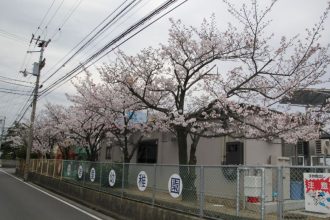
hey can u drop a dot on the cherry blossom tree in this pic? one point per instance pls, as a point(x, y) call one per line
point(15, 141)
point(179, 78)
point(210, 83)
point(51, 130)
point(118, 110)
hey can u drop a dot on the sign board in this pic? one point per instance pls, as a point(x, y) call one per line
point(112, 178)
point(92, 175)
point(317, 192)
point(142, 181)
point(68, 170)
point(80, 171)
point(137, 117)
point(175, 185)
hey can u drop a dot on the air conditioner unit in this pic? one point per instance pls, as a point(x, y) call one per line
point(322, 147)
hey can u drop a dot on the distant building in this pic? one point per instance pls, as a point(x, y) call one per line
point(161, 148)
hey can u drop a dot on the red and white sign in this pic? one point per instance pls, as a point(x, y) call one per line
point(317, 192)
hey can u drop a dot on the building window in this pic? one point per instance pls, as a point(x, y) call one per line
point(147, 151)
point(108, 153)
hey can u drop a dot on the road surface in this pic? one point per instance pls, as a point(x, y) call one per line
point(20, 201)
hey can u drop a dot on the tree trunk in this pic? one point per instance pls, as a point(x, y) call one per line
point(182, 144)
point(183, 161)
point(192, 169)
point(187, 169)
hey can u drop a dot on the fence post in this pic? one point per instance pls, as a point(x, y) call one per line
point(154, 186)
point(122, 181)
point(85, 172)
point(47, 174)
point(100, 176)
point(201, 191)
point(42, 166)
point(262, 207)
point(280, 193)
point(237, 191)
point(32, 165)
point(54, 167)
point(62, 167)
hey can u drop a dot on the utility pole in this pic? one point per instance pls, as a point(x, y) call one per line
point(36, 72)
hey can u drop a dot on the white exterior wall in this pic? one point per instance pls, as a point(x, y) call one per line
point(210, 151)
point(258, 152)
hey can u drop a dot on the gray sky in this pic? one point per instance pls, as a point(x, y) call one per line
point(20, 18)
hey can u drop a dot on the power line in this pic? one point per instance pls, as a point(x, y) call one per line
point(44, 17)
point(118, 25)
point(130, 29)
point(104, 20)
point(73, 9)
point(24, 109)
point(92, 38)
point(65, 78)
point(17, 84)
point(12, 92)
point(51, 19)
point(27, 58)
point(16, 80)
point(11, 35)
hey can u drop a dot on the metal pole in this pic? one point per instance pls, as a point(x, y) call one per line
point(54, 165)
point(237, 191)
point(33, 165)
point(34, 106)
point(201, 191)
point(62, 169)
point(280, 193)
point(122, 181)
point(42, 166)
point(100, 176)
point(262, 212)
point(155, 185)
point(47, 174)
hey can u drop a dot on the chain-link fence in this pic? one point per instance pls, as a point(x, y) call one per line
point(213, 192)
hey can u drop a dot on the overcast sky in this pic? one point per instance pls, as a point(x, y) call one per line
point(20, 18)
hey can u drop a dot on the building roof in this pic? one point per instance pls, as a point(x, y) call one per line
point(307, 97)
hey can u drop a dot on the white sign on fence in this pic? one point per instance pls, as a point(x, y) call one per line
point(68, 170)
point(92, 175)
point(80, 171)
point(175, 185)
point(317, 192)
point(142, 181)
point(112, 178)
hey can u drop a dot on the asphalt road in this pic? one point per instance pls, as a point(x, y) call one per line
point(20, 201)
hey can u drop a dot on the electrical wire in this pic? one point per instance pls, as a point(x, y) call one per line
point(73, 9)
point(77, 45)
point(16, 80)
point(12, 92)
point(51, 19)
point(67, 77)
point(89, 41)
point(44, 17)
point(17, 84)
point(11, 36)
point(24, 109)
point(27, 59)
point(118, 25)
